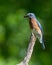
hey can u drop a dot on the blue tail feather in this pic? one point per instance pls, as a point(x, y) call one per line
point(43, 45)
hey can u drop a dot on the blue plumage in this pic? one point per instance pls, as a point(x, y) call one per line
point(37, 27)
point(43, 46)
point(32, 15)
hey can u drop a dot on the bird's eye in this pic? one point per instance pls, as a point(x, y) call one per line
point(30, 15)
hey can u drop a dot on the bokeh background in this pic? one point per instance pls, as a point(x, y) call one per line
point(15, 32)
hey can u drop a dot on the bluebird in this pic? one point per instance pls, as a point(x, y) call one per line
point(36, 27)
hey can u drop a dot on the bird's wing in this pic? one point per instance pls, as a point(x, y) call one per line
point(40, 26)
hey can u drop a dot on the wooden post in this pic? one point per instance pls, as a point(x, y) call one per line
point(29, 51)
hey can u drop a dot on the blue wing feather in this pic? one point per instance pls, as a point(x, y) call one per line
point(43, 46)
point(40, 26)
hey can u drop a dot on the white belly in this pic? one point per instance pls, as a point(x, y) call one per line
point(38, 34)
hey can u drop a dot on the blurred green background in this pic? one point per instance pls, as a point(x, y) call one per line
point(15, 32)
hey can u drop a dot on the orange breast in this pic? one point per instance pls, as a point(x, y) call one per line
point(34, 24)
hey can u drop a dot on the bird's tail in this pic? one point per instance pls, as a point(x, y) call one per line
point(43, 46)
point(42, 43)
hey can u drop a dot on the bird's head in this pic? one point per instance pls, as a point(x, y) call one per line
point(30, 15)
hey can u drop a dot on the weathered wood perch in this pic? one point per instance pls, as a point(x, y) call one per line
point(29, 51)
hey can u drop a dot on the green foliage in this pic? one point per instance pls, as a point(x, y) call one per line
point(15, 32)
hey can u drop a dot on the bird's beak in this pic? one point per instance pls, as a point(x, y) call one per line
point(26, 16)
